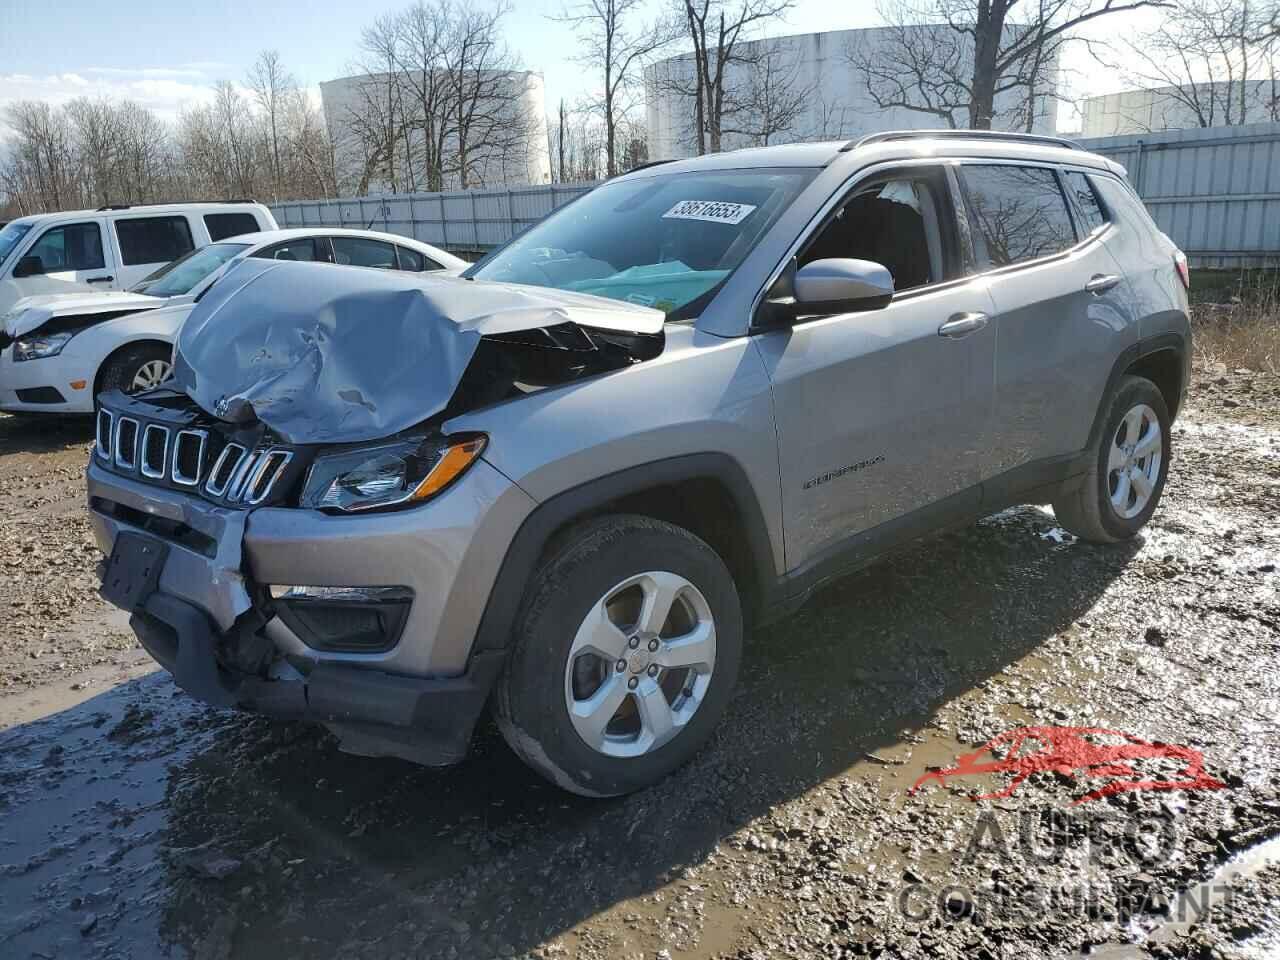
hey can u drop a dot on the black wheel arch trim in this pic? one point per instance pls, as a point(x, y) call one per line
point(1128, 357)
point(521, 560)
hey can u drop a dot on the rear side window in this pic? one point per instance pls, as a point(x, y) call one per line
point(1018, 213)
point(360, 252)
point(153, 239)
point(74, 246)
point(221, 225)
point(413, 261)
point(300, 248)
point(1088, 209)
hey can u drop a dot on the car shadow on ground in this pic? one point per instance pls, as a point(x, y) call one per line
point(43, 434)
point(233, 836)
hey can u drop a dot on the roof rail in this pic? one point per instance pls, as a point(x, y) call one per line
point(166, 203)
point(891, 135)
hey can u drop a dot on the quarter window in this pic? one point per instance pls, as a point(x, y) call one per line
point(1088, 208)
point(1019, 213)
point(153, 239)
point(413, 261)
point(222, 225)
point(75, 246)
point(361, 252)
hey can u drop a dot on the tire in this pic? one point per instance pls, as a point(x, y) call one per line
point(625, 560)
point(124, 368)
point(1088, 508)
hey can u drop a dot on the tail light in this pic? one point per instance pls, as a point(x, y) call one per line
point(1184, 271)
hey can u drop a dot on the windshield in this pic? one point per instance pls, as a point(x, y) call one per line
point(9, 238)
point(667, 242)
point(178, 277)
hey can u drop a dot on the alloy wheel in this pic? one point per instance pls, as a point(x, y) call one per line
point(1133, 462)
point(640, 664)
point(150, 374)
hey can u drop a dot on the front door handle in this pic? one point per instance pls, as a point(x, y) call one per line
point(962, 324)
point(1101, 283)
point(99, 279)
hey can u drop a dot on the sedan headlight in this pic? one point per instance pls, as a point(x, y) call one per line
point(388, 474)
point(39, 347)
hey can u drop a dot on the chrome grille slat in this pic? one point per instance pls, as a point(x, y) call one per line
point(235, 490)
point(213, 487)
point(183, 441)
point(265, 476)
point(123, 424)
point(148, 465)
point(106, 419)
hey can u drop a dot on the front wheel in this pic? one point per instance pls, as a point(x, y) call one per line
point(625, 656)
point(137, 368)
point(1118, 495)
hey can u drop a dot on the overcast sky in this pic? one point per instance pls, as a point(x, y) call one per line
point(168, 54)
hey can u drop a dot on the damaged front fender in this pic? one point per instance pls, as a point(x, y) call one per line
point(336, 355)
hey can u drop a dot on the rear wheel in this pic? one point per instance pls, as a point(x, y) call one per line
point(625, 656)
point(1118, 495)
point(137, 368)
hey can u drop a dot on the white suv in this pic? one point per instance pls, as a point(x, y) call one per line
point(112, 248)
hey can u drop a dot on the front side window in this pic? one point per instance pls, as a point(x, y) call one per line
point(10, 236)
point(893, 222)
point(1018, 213)
point(223, 225)
point(362, 252)
point(667, 241)
point(177, 278)
point(74, 246)
point(1088, 208)
point(153, 239)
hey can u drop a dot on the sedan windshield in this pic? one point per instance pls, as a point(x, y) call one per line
point(178, 277)
point(667, 242)
point(9, 238)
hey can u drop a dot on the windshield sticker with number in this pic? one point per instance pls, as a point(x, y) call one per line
point(714, 211)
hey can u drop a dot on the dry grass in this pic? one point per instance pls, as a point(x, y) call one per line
point(1243, 330)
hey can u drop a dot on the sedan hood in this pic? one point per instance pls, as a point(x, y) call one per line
point(32, 313)
point(336, 355)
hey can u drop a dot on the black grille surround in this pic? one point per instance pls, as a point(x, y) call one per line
point(161, 438)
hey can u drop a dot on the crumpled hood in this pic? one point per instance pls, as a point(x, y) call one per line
point(324, 354)
point(32, 313)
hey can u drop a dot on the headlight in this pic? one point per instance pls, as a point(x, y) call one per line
point(386, 474)
point(39, 347)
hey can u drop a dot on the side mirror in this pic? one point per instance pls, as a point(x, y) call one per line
point(840, 285)
point(28, 267)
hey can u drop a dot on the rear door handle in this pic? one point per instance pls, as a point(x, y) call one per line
point(1101, 283)
point(99, 279)
point(962, 324)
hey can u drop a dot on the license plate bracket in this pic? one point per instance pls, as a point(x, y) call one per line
point(133, 572)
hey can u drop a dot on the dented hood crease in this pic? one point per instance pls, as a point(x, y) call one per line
point(324, 354)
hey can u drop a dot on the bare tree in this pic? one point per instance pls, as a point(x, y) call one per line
point(970, 54)
point(616, 43)
point(769, 94)
point(272, 87)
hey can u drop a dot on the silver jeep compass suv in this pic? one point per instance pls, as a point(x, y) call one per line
point(565, 483)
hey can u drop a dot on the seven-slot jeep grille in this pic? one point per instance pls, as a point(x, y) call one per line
point(193, 458)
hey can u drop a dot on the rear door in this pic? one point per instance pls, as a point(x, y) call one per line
point(144, 244)
point(1061, 312)
point(881, 413)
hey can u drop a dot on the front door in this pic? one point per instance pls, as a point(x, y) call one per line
point(883, 412)
point(64, 259)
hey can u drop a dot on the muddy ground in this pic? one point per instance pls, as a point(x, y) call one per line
point(137, 823)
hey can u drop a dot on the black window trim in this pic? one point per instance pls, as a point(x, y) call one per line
point(1080, 243)
point(62, 226)
point(958, 245)
point(434, 266)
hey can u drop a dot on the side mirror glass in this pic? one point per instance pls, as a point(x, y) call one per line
point(28, 267)
point(839, 285)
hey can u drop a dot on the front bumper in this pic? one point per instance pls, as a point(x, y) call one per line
point(418, 700)
point(34, 378)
